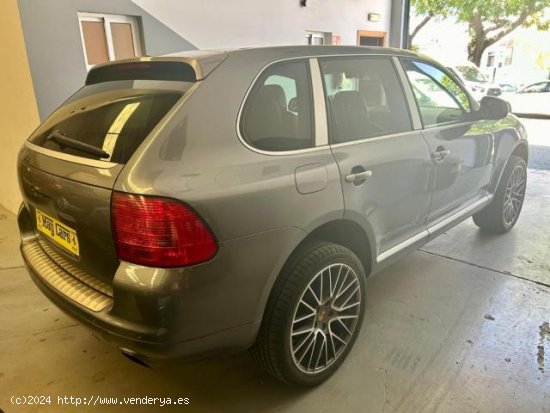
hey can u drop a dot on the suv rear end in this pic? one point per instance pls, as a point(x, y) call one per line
point(153, 201)
point(105, 255)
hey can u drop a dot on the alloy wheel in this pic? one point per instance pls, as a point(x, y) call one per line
point(325, 318)
point(514, 194)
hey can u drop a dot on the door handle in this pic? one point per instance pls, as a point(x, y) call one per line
point(358, 177)
point(440, 154)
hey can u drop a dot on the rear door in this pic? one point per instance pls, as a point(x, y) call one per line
point(68, 167)
point(461, 144)
point(383, 160)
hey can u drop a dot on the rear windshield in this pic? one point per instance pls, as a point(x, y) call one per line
point(107, 121)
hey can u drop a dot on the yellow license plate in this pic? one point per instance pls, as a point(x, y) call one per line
point(58, 232)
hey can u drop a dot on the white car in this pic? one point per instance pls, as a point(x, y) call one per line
point(532, 100)
point(474, 80)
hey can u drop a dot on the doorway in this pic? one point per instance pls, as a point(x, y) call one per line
point(371, 38)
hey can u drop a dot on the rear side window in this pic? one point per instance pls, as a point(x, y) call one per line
point(277, 115)
point(365, 98)
point(104, 122)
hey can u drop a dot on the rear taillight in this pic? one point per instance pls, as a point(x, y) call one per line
point(159, 232)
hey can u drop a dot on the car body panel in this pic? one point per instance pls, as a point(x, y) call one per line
point(78, 196)
point(464, 172)
point(395, 199)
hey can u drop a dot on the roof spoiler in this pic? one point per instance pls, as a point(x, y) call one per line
point(182, 67)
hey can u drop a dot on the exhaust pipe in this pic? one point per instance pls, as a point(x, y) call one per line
point(136, 358)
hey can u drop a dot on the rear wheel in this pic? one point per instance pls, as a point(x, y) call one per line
point(503, 212)
point(313, 315)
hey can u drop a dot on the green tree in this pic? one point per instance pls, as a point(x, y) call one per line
point(488, 20)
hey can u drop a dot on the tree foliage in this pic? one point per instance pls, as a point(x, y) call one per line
point(488, 20)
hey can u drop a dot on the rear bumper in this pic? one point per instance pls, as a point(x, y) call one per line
point(172, 313)
point(150, 342)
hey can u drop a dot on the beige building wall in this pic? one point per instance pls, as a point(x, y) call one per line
point(18, 111)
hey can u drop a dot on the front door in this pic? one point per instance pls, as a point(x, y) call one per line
point(383, 162)
point(461, 146)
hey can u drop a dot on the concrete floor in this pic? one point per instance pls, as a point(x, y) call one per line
point(458, 326)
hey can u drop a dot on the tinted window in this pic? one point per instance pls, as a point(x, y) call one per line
point(105, 118)
point(278, 113)
point(439, 97)
point(364, 98)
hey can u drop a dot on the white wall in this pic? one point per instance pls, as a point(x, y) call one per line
point(211, 24)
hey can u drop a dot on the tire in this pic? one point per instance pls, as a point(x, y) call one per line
point(502, 213)
point(304, 347)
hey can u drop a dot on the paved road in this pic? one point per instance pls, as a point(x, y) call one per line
point(539, 142)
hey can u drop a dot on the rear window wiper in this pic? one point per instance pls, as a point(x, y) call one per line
point(74, 144)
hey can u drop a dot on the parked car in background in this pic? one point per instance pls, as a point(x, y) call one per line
point(533, 99)
point(474, 80)
point(210, 202)
point(507, 88)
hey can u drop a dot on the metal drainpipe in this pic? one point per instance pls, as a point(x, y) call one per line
point(406, 21)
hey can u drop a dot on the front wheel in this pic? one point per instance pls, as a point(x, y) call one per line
point(503, 212)
point(313, 315)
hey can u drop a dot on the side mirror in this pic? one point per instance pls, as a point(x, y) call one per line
point(494, 108)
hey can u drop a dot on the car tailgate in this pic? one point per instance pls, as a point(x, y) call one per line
point(76, 197)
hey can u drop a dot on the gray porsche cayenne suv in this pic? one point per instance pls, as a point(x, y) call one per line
point(217, 201)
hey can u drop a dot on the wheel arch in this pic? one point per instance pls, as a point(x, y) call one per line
point(349, 234)
point(342, 231)
point(521, 149)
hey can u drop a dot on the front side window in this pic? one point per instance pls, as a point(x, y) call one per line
point(439, 97)
point(364, 97)
point(277, 115)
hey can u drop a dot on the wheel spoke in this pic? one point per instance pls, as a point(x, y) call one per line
point(308, 346)
point(346, 317)
point(344, 279)
point(349, 306)
point(312, 351)
point(345, 289)
point(350, 296)
point(323, 343)
point(336, 283)
point(302, 331)
point(307, 305)
point(329, 282)
point(297, 320)
point(338, 337)
point(317, 299)
point(344, 325)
